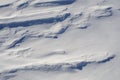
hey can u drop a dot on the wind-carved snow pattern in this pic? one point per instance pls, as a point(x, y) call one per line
point(61, 37)
point(6, 5)
point(16, 42)
point(54, 3)
point(60, 67)
point(58, 18)
point(102, 11)
point(55, 30)
point(54, 53)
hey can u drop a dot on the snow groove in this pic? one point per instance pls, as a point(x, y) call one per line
point(27, 23)
point(54, 3)
point(60, 67)
point(6, 5)
point(17, 42)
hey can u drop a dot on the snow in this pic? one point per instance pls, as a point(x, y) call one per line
point(59, 40)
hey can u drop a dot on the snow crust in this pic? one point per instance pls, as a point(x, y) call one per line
point(59, 39)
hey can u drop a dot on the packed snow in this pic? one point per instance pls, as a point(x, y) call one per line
point(59, 39)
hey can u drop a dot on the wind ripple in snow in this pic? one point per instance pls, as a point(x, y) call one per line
point(49, 20)
point(54, 3)
point(60, 67)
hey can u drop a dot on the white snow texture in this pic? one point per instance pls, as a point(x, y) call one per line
point(59, 39)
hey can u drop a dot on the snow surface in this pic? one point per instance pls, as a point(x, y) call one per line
point(59, 39)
